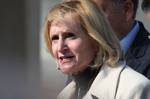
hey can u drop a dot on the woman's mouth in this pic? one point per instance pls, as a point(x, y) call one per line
point(65, 59)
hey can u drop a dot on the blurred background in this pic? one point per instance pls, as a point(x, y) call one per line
point(27, 71)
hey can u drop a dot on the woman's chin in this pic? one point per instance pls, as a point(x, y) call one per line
point(67, 72)
point(66, 69)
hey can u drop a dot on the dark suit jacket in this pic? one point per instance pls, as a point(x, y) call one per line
point(138, 56)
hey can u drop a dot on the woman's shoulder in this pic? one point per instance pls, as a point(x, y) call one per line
point(130, 75)
point(133, 85)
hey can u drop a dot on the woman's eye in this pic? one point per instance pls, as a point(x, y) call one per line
point(70, 35)
point(54, 38)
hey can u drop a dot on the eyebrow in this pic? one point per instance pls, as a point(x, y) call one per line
point(67, 33)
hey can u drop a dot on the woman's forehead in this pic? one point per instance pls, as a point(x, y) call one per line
point(71, 21)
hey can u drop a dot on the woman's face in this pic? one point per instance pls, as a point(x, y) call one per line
point(71, 47)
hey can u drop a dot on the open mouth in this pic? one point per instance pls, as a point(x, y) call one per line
point(65, 59)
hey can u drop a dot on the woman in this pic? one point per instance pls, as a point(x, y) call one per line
point(80, 39)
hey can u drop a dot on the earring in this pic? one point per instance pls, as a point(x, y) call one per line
point(57, 66)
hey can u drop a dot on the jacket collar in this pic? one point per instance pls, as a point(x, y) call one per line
point(141, 40)
point(68, 92)
point(104, 86)
point(106, 83)
point(138, 48)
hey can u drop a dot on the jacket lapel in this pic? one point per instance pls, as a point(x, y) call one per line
point(106, 83)
point(68, 92)
point(138, 49)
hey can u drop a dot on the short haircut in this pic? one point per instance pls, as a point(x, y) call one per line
point(94, 23)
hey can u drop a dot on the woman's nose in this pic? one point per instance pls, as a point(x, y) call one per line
point(62, 46)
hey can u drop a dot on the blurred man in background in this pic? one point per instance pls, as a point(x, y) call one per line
point(146, 8)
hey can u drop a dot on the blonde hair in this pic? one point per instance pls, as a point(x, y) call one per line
point(96, 26)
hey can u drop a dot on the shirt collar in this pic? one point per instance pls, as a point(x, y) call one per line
point(129, 38)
